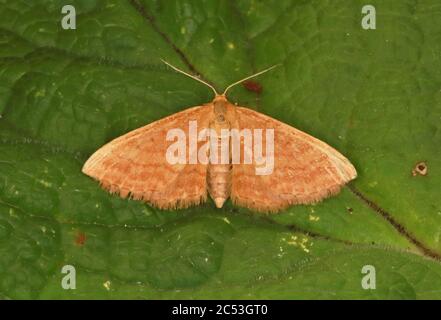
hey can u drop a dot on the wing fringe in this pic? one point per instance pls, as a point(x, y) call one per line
point(266, 208)
point(166, 204)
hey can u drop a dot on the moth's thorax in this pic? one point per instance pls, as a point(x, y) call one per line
point(220, 109)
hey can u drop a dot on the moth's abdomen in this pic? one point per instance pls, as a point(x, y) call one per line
point(219, 171)
point(219, 182)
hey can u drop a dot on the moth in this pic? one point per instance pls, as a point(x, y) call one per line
point(305, 170)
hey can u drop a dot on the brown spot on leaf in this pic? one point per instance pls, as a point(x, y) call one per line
point(420, 169)
point(350, 210)
point(253, 86)
point(80, 238)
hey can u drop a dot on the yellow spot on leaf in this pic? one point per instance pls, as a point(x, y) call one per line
point(107, 285)
point(40, 93)
point(292, 241)
point(45, 183)
point(303, 245)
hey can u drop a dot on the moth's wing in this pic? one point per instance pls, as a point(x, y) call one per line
point(134, 165)
point(305, 170)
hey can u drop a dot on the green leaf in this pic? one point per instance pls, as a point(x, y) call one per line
point(373, 94)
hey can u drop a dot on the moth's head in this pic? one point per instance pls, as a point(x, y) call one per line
point(219, 99)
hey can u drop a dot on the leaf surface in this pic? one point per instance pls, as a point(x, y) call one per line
point(372, 94)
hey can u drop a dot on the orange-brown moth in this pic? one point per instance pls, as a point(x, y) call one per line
point(306, 170)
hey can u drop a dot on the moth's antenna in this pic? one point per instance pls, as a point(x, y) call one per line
point(191, 76)
point(249, 77)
